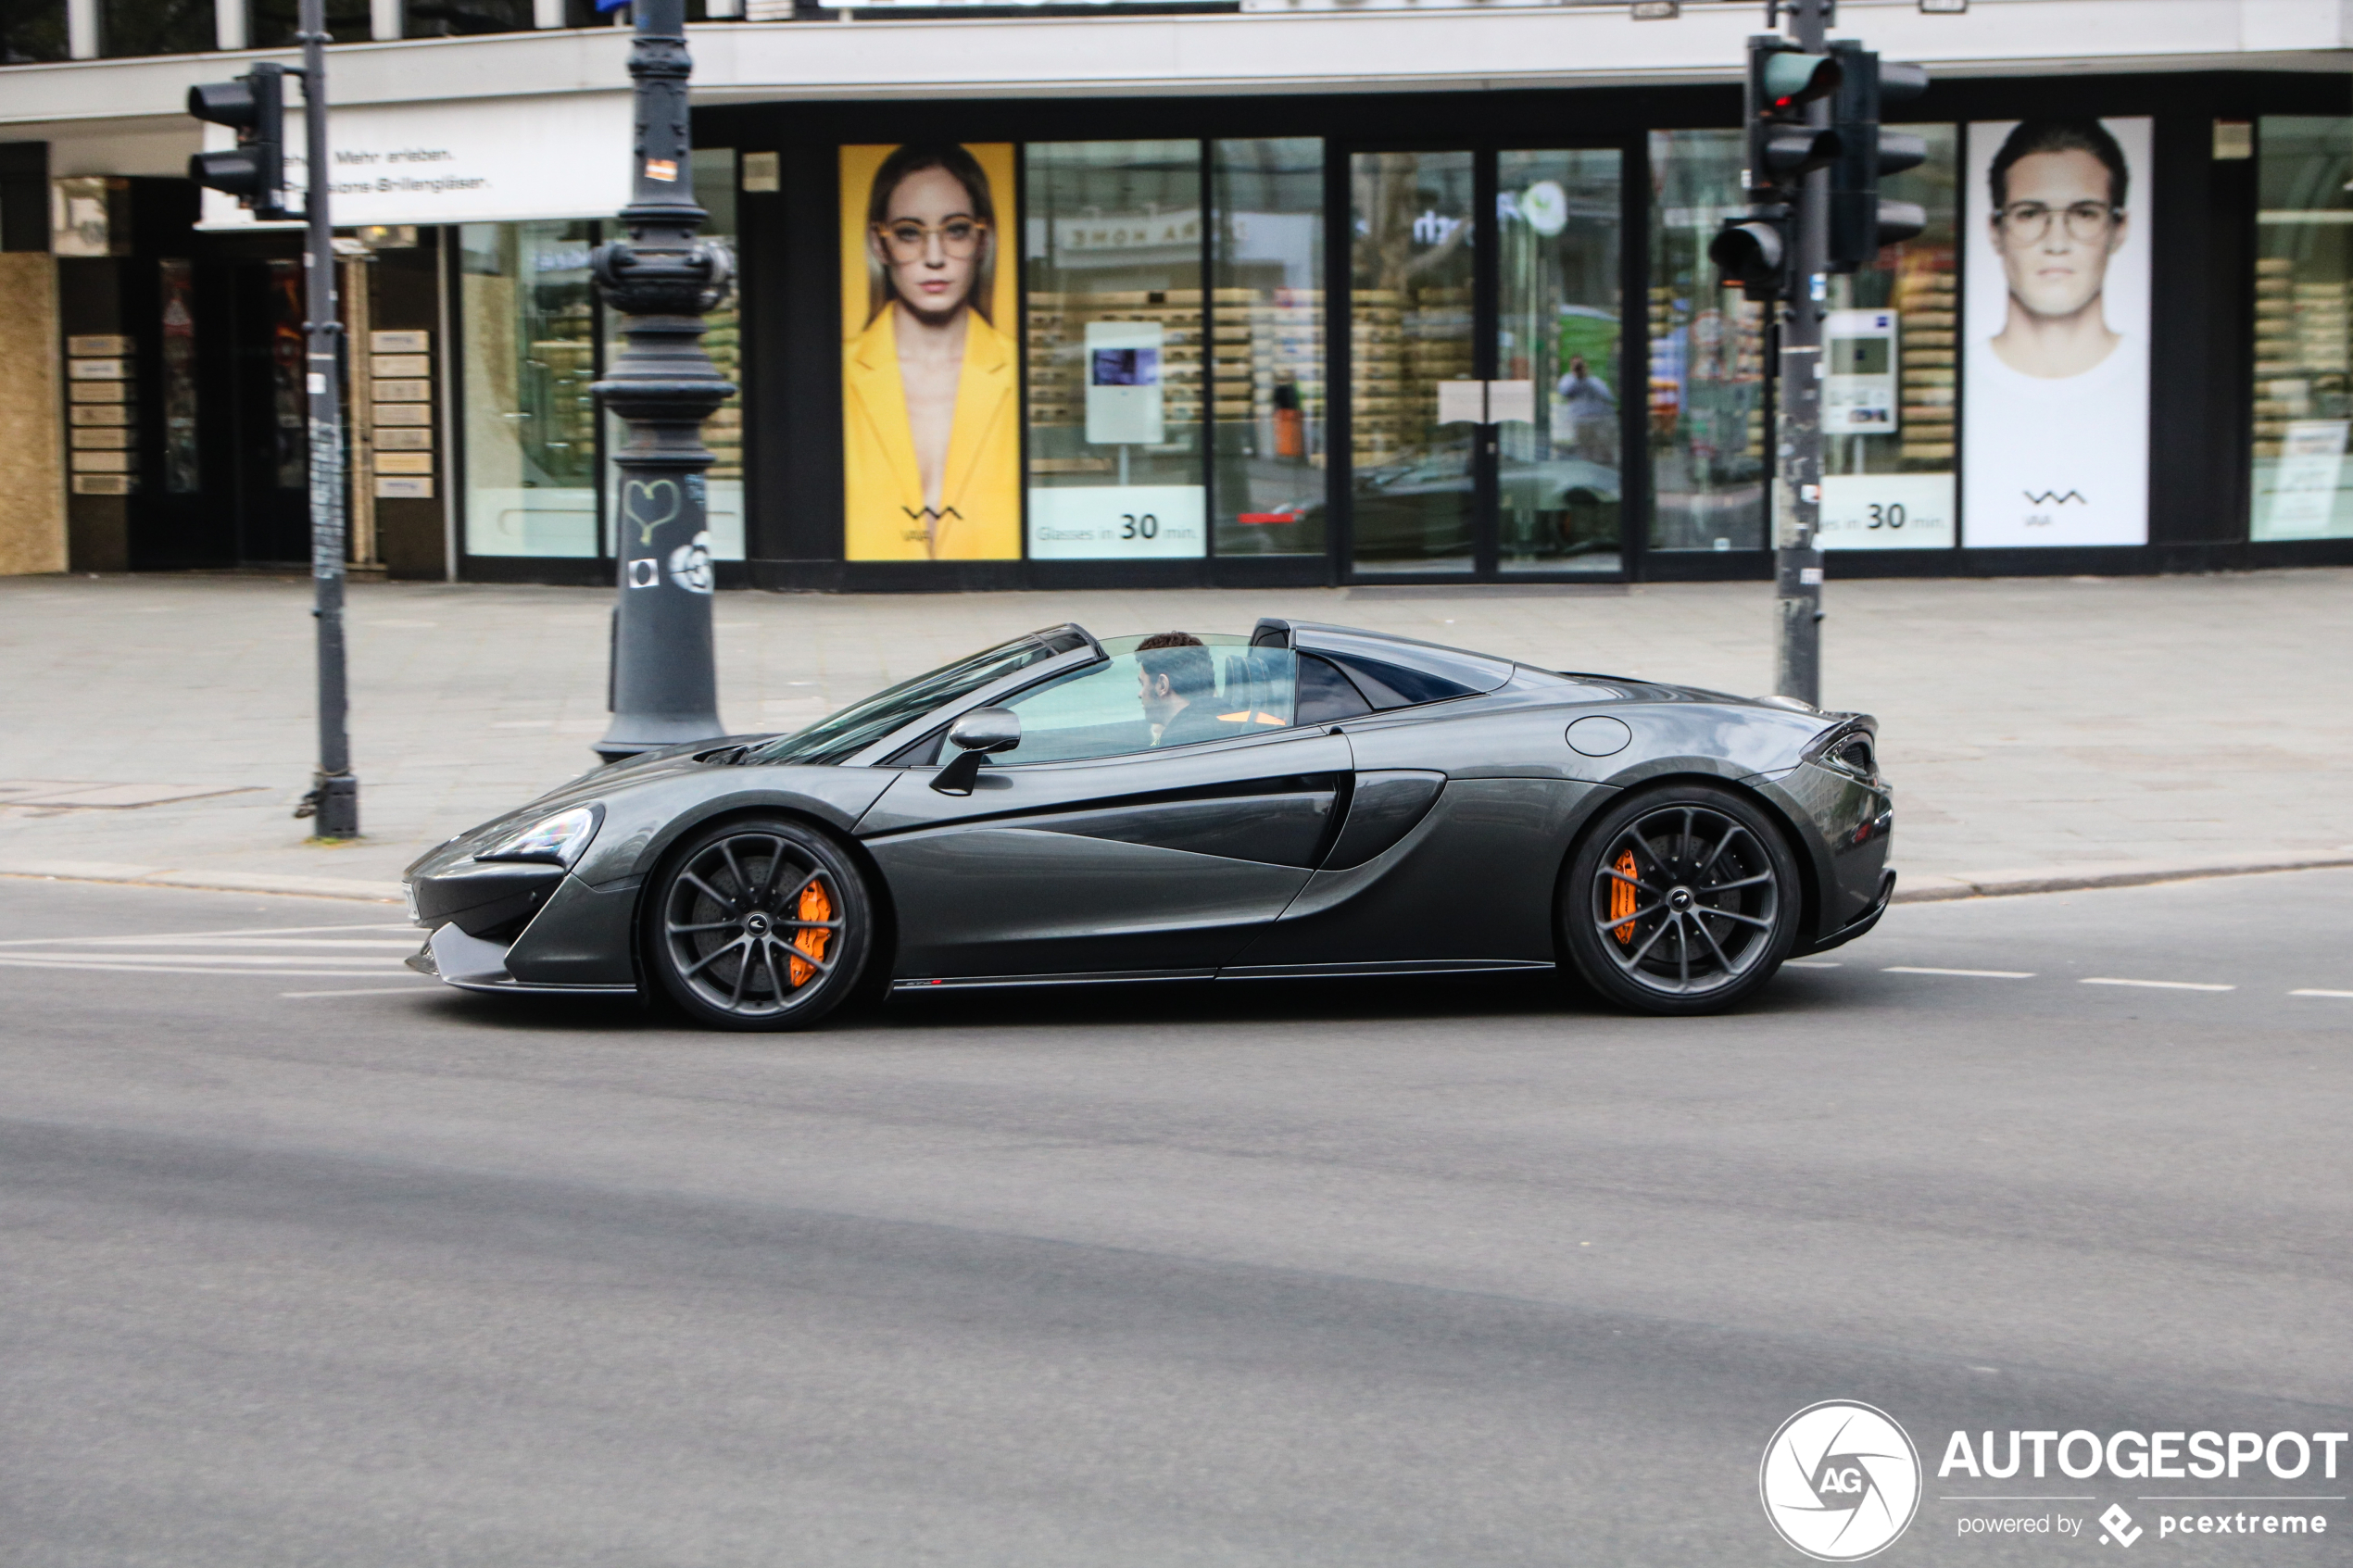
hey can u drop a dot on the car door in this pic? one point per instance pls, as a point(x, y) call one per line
point(1090, 850)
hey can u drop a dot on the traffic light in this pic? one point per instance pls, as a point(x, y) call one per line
point(254, 172)
point(1860, 221)
point(1783, 79)
point(1753, 251)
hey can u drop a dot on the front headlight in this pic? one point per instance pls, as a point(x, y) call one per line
point(556, 840)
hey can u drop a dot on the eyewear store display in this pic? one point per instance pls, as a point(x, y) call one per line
point(1147, 350)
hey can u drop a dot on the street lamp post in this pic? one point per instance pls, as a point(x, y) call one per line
point(661, 278)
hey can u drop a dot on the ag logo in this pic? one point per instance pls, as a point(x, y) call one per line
point(1840, 1481)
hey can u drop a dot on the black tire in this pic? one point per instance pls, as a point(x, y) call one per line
point(1706, 918)
point(759, 924)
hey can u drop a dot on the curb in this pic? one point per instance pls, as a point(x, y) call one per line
point(209, 881)
point(1932, 887)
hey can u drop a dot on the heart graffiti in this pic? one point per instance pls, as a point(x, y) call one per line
point(638, 498)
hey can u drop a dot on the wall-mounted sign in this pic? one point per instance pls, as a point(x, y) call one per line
point(490, 160)
point(1125, 403)
point(1859, 392)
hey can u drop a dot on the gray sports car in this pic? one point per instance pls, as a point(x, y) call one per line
point(1307, 800)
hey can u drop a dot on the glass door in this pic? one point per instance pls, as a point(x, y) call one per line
point(1485, 368)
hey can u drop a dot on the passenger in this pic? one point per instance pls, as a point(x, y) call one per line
point(1177, 687)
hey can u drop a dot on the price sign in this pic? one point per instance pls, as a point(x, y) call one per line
point(1887, 511)
point(1118, 523)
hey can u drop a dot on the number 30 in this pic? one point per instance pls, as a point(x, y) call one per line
point(1132, 526)
point(1886, 517)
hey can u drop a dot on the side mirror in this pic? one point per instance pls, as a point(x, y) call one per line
point(975, 736)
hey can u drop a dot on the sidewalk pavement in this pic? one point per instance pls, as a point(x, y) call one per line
point(2079, 731)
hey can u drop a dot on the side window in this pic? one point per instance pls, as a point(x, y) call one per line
point(1326, 695)
point(1100, 711)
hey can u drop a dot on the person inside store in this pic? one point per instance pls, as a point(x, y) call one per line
point(931, 438)
point(1585, 412)
point(2058, 190)
point(1177, 687)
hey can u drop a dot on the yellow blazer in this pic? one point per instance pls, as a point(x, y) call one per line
point(980, 498)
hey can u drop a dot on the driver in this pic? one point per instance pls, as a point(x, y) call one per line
point(1177, 687)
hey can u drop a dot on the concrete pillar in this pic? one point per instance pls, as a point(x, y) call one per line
point(82, 29)
point(546, 13)
point(384, 18)
point(232, 24)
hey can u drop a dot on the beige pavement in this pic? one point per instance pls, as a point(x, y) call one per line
point(2035, 728)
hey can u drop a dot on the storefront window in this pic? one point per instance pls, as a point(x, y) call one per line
point(1888, 347)
point(2303, 273)
point(1268, 361)
point(1557, 480)
point(1412, 338)
point(154, 27)
point(1113, 253)
point(529, 317)
point(1707, 406)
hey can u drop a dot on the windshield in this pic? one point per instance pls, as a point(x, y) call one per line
point(843, 734)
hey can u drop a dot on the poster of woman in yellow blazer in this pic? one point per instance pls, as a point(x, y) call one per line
point(931, 394)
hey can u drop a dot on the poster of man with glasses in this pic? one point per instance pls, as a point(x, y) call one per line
point(2056, 383)
point(931, 408)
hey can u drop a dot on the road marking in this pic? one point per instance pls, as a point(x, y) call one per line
point(178, 969)
point(2347, 995)
point(2161, 985)
point(1973, 973)
point(296, 930)
point(409, 990)
point(1808, 963)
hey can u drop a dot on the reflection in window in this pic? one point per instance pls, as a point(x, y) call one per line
point(458, 19)
point(2303, 274)
point(181, 472)
point(1112, 251)
point(276, 21)
point(32, 30)
point(1410, 334)
point(1556, 221)
point(1267, 363)
point(530, 330)
point(1890, 346)
point(1708, 435)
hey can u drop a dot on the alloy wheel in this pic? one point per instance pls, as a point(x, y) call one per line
point(1685, 899)
point(750, 923)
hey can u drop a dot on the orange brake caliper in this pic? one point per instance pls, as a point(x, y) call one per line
point(813, 905)
point(1621, 897)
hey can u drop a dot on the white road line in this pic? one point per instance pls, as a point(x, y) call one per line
point(172, 968)
point(2346, 995)
point(222, 961)
point(423, 983)
point(112, 943)
point(2161, 985)
point(256, 930)
point(1809, 963)
point(1971, 974)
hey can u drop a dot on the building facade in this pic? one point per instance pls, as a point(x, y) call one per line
point(1216, 294)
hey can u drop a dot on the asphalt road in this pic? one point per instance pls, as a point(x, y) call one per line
point(304, 1260)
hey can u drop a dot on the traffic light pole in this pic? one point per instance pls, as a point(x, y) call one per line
point(662, 280)
point(1797, 482)
point(334, 800)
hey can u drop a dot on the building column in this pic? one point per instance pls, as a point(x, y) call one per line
point(32, 526)
point(546, 13)
point(384, 19)
point(232, 24)
point(82, 29)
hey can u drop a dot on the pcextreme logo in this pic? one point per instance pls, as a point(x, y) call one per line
point(1841, 1481)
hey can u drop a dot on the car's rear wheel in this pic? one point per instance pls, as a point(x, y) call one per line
point(1683, 899)
point(758, 924)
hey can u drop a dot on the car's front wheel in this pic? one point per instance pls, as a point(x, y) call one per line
point(758, 924)
point(1683, 899)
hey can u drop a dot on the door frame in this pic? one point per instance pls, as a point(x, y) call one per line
point(1633, 369)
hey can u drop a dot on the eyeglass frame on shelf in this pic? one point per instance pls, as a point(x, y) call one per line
point(898, 250)
point(2107, 213)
